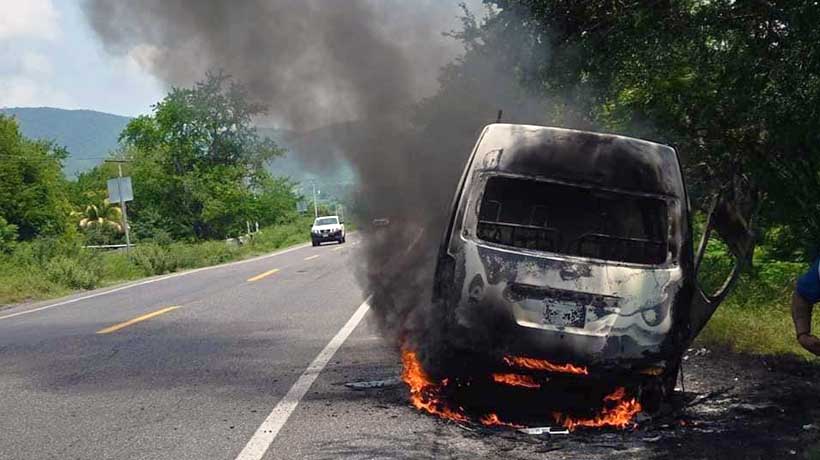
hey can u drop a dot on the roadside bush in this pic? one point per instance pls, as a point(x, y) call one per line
point(49, 267)
point(154, 259)
point(40, 251)
point(73, 273)
point(118, 266)
point(205, 253)
point(8, 236)
point(278, 236)
point(102, 235)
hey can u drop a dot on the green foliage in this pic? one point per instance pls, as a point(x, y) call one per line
point(274, 202)
point(17, 285)
point(51, 267)
point(32, 187)
point(154, 259)
point(8, 236)
point(733, 85)
point(282, 235)
point(100, 215)
point(756, 317)
point(117, 266)
point(199, 164)
point(39, 252)
point(102, 235)
point(74, 273)
point(199, 173)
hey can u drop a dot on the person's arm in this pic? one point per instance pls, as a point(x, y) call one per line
point(801, 314)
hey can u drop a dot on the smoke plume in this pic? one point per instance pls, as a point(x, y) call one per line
point(372, 67)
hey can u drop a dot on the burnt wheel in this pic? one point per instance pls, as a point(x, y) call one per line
point(656, 391)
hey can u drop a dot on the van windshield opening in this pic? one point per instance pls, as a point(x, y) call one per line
point(573, 221)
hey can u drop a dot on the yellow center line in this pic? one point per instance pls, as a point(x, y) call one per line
point(338, 248)
point(311, 257)
point(136, 320)
point(262, 275)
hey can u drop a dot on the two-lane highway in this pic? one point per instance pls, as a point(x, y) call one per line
point(244, 361)
point(186, 366)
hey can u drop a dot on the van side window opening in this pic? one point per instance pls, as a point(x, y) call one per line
point(574, 221)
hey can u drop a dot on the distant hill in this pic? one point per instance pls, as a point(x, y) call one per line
point(90, 134)
point(85, 133)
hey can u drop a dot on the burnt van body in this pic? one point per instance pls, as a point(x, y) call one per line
point(576, 247)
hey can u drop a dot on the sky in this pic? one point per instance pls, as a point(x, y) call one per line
point(49, 56)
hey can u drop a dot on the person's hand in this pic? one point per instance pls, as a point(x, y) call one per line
point(810, 343)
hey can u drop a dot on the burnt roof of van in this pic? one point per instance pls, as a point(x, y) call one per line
point(605, 160)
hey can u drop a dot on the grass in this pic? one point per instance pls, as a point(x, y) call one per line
point(51, 268)
point(813, 452)
point(756, 317)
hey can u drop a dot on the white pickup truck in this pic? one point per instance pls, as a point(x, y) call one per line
point(327, 228)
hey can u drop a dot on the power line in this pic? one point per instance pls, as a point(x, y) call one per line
point(23, 157)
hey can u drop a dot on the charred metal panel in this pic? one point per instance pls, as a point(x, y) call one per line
point(602, 160)
point(731, 217)
point(588, 311)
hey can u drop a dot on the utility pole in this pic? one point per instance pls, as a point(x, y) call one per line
point(124, 211)
point(315, 206)
point(122, 204)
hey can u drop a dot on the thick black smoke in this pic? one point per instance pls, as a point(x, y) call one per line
point(316, 62)
point(373, 64)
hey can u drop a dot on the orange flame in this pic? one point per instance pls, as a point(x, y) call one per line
point(424, 393)
point(544, 365)
point(618, 415)
point(516, 380)
point(492, 419)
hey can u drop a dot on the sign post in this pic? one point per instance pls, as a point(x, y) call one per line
point(315, 206)
point(119, 190)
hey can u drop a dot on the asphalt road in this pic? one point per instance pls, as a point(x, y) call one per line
point(249, 360)
point(195, 381)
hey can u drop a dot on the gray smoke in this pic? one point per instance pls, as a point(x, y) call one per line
point(316, 62)
point(371, 63)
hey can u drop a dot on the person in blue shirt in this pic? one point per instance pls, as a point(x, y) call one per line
point(806, 294)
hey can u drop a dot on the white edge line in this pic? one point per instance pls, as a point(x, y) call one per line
point(267, 431)
point(152, 280)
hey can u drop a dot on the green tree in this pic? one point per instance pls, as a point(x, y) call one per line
point(198, 162)
point(102, 215)
point(274, 201)
point(32, 187)
point(733, 85)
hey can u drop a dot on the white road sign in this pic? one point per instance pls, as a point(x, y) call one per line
point(119, 189)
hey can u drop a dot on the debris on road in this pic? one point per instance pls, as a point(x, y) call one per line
point(757, 407)
point(538, 430)
point(373, 384)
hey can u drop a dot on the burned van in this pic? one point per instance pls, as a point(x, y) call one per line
point(574, 247)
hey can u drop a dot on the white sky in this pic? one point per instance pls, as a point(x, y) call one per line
point(49, 56)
